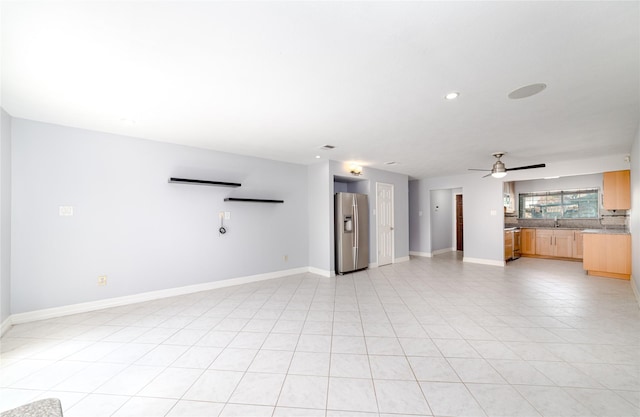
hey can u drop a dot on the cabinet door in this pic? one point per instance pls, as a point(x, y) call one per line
point(608, 253)
point(577, 244)
point(508, 245)
point(617, 190)
point(563, 243)
point(544, 242)
point(528, 242)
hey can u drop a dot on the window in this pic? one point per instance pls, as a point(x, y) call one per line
point(566, 204)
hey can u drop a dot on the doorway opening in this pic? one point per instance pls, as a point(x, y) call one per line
point(459, 223)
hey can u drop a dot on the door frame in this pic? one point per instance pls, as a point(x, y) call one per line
point(393, 234)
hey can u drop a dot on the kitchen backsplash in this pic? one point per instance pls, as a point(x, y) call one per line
point(608, 219)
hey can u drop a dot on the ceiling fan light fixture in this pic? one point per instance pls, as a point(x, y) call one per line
point(498, 170)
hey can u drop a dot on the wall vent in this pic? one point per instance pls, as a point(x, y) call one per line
point(327, 147)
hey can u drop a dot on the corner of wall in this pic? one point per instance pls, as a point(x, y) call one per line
point(634, 215)
point(5, 219)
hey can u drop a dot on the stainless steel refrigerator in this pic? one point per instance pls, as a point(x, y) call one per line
point(352, 232)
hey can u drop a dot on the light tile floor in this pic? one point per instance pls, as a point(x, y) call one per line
point(428, 337)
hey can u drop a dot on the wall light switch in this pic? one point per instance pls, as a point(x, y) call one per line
point(65, 210)
point(227, 215)
point(494, 213)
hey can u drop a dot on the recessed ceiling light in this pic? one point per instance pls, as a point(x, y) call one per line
point(527, 91)
point(452, 95)
point(317, 156)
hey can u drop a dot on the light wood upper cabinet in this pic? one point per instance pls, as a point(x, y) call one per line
point(607, 255)
point(617, 190)
point(528, 241)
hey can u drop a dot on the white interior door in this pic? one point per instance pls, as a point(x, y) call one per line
point(384, 222)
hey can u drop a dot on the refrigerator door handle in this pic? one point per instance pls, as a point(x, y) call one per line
point(356, 231)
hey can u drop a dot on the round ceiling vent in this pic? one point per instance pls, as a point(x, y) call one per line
point(527, 91)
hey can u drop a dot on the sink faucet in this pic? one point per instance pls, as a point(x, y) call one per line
point(555, 222)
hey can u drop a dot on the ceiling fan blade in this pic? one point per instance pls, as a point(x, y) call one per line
point(485, 176)
point(476, 169)
point(527, 167)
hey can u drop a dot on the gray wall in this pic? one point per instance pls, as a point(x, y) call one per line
point(634, 218)
point(441, 219)
point(130, 224)
point(5, 215)
point(320, 184)
point(415, 215)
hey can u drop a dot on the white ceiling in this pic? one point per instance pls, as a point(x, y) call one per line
point(280, 79)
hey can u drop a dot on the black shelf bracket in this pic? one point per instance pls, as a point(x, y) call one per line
point(253, 200)
point(204, 182)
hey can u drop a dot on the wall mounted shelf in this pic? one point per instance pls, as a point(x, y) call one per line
point(253, 200)
point(204, 182)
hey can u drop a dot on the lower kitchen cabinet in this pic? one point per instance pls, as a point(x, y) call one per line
point(544, 242)
point(577, 244)
point(607, 255)
point(552, 243)
point(528, 241)
point(508, 244)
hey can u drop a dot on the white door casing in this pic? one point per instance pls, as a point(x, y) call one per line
point(384, 223)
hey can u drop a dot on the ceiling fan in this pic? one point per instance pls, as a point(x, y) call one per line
point(499, 170)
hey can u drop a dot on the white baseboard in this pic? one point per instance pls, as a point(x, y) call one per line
point(373, 265)
point(6, 325)
point(49, 313)
point(321, 272)
point(423, 254)
point(636, 292)
point(445, 250)
point(483, 261)
point(401, 259)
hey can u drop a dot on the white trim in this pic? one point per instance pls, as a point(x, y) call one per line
point(440, 251)
point(483, 261)
point(373, 265)
point(401, 259)
point(423, 254)
point(635, 290)
point(6, 325)
point(49, 313)
point(321, 272)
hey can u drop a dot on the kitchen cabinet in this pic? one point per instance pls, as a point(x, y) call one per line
point(544, 242)
point(616, 190)
point(508, 244)
point(607, 255)
point(556, 243)
point(528, 242)
point(577, 244)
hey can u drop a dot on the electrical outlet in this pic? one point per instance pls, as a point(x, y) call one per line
point(65, 210)
point(285, 258)
point(102, 280)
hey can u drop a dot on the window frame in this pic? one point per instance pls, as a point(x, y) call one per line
point(562, 194)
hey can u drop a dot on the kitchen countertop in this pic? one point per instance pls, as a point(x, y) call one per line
point(607, 231)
